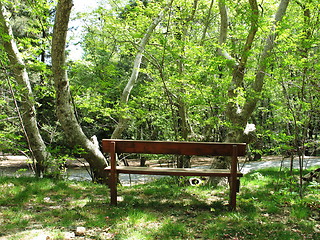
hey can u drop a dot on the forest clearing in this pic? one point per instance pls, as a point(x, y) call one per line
point(269, 206)
point(226, 71)
point(194, 70)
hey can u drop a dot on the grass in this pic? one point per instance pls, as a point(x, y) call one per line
point(269, 207)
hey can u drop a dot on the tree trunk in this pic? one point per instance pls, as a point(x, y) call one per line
point(255, 91)
point(28, 113)
point(239, 115)
point(65, 110)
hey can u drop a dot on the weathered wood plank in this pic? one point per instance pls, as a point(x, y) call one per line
point(174, 171)
point(169, 147)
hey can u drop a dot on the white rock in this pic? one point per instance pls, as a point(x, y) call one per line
point(80, 231)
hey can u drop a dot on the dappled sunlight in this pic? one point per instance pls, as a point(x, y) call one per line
point(105, 98)
point(79, 202)
point(41, 234)
point(160, 210)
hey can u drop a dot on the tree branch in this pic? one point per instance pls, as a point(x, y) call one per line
point(224, 22)
point(136, 69)
point(263, 62)
point(28, 111)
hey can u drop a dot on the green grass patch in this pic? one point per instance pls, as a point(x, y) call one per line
point(269, 207)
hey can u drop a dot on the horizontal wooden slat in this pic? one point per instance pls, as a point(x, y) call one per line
point(174, 171)
point(169, 147)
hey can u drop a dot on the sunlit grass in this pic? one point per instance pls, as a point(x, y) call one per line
point(269, 207)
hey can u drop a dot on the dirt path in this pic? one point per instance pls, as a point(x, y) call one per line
point(24, 162)
point(267, 161)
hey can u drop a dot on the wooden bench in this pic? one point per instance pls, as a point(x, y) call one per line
point(116, 146)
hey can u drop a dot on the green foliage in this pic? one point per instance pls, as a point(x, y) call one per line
point(179, 69)
point(30, 23)
point(182, 88)
point(11, 140)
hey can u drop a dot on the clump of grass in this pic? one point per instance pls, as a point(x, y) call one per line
point(269, 207)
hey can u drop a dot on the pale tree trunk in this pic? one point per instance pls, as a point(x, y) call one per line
point(255, 91)
point(239, 115)
point(236, 115)
point(224, 22)
point(65, 110)
point(28, 112)
point(123, 120)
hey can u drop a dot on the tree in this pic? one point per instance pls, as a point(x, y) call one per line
point(28, 113)
point(65, 110)
point(239, 114)
point(135, 71)
point(297, 81)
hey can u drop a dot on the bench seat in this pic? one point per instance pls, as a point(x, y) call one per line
point(117, 146)
point(174, 171)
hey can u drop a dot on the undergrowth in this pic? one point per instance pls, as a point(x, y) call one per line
point(269, 206)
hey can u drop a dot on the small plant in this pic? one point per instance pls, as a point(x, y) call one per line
point(300, 211)
point(171, 230)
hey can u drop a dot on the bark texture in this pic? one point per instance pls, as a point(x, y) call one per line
point(239, 115)
point(263, 61)
point(26, 105)
point(65, 110)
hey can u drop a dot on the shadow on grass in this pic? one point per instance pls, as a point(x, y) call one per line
point(28, 203)
point(268, 208)
point(166, 194)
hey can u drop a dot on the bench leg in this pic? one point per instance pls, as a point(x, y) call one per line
point(233, 178)
point(233, 194)
point(113, 176)
point(113, 189)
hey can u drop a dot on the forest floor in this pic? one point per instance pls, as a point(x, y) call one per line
point(18, 161)
point(269, 206)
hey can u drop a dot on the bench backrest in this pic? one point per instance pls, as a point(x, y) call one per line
point(169, 147)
